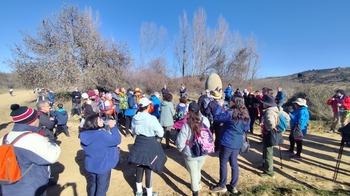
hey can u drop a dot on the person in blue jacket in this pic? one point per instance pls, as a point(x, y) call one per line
point(228, 92)
point(101, 153)
point(61, 118)
point(236, 122)
point(298, 118)
point(156, 104)
point(281, 96)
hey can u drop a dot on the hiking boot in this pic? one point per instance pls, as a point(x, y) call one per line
point(232, 189)
point(138, 193)
point(219, 189)
point(265, 175)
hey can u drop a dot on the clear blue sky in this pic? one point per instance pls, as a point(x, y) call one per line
point(291, 35)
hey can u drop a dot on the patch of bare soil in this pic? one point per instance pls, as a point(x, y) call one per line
point(314, 171)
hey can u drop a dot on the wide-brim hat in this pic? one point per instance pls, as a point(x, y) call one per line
point(268, 100)
point(216, 94)
point(300, 102)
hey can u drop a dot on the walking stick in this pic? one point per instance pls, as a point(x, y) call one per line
point(336, 170)
point(279, 147)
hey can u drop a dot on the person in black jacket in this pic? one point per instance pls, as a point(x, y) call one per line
point(76, 101)
point(46, 122)
point(209, 113)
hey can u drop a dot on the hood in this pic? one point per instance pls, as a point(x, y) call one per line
point(273, 109)
point(86, 137)
point(62, 111)
point(140, 117)
point(164, 103)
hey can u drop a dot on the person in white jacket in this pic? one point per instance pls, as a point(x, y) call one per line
point(192, 126)
point(33, 151)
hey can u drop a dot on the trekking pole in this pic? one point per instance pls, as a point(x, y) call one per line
point(279, 147)
point(336, 170)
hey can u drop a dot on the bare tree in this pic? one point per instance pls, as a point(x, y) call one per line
point(182, 45)
point(66, 50)
point(153, 42)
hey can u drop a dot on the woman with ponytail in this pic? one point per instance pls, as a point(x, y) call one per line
point(195, 121)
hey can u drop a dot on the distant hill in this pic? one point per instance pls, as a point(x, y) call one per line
point(318, 76)
point(335, 77)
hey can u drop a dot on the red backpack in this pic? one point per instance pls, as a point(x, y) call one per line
point(10, 172)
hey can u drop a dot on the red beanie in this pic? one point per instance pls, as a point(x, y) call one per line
point(23, 114)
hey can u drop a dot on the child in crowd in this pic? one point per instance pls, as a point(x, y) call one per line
point(61, 118)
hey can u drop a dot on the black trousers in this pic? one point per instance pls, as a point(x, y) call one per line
point(292, 144)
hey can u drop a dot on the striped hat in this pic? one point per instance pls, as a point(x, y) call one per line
point(23, 114)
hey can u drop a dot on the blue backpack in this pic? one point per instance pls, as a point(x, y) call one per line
point(282, 123)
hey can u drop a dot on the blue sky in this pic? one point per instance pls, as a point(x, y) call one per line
point(291, 35)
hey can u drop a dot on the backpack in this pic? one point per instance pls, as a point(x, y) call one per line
point(282, 123)
point(246, 145)
point(203, 144)
point(180, 114)
point(108, 107)
point(124, 102)
point(10, 172)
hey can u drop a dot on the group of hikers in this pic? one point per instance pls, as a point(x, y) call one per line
point(212, 124)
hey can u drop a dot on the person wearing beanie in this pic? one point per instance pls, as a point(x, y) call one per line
point(32, 159)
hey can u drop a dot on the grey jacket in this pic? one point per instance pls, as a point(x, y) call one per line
point(185, 137)
point(167, 114)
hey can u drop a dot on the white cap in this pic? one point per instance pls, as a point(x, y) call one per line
point(84, 96)
point(144, 102)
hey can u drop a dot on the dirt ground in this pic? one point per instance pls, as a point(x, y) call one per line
point(315, 170)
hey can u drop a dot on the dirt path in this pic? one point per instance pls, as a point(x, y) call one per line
point(314, 170)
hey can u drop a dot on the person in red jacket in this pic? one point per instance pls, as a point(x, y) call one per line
point(340, 106)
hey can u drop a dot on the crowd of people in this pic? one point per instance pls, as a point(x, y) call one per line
point(149, 119)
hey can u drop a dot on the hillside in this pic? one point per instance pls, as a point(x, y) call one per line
point(334, 76)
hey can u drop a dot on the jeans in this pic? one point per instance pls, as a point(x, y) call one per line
point(228, 155)
point(194, 167)
point(76, 109)
point(98, 184)
point(268, 160)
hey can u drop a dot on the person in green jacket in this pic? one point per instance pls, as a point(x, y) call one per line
point(167, 117)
